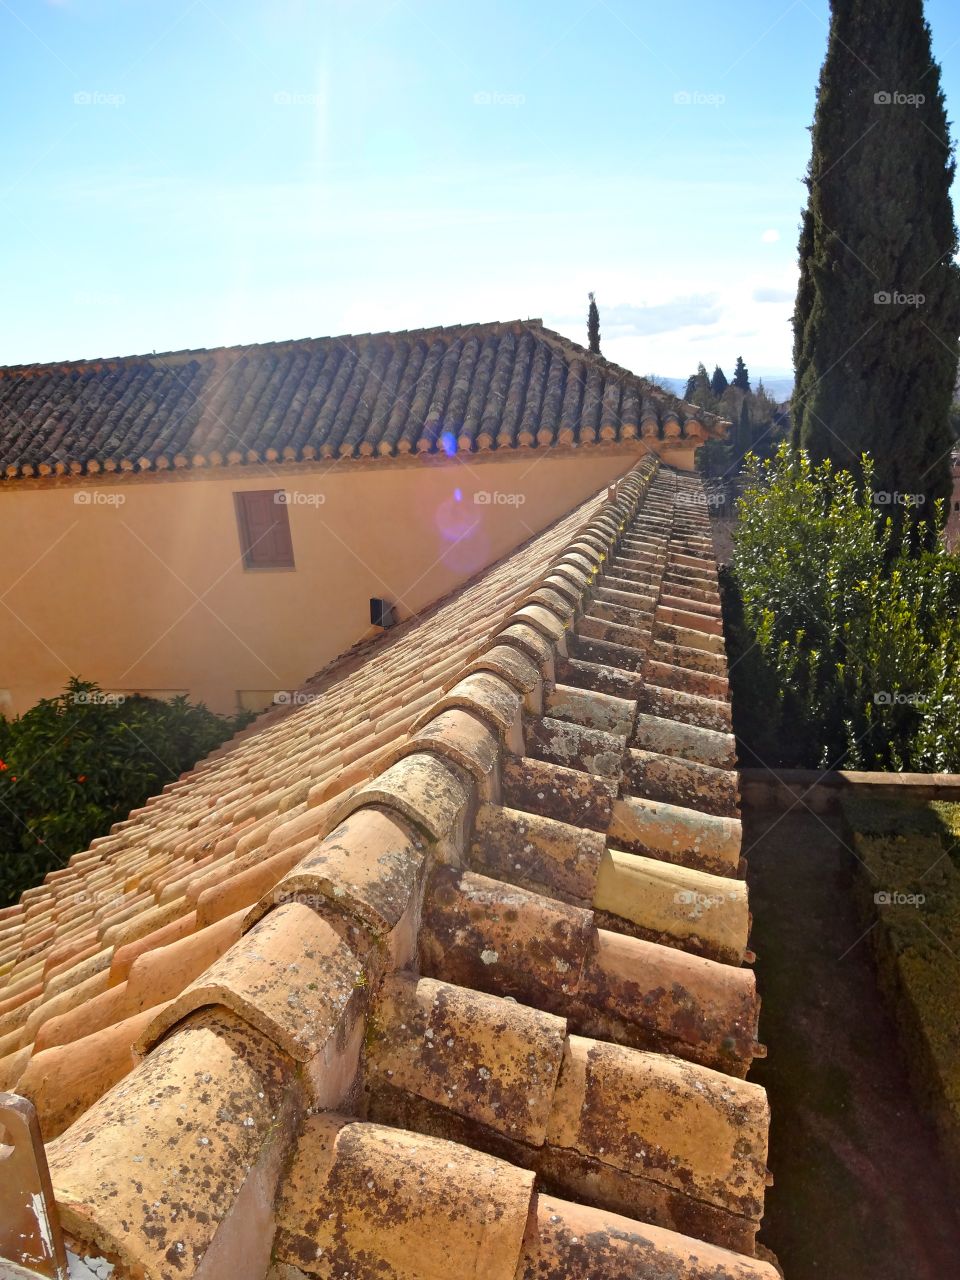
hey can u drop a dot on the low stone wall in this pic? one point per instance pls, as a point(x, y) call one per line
point(781, 789)
point(908, 886)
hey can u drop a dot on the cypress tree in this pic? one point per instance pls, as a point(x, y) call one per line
point(593, 327)
point(741, 376)
point(690, 388)
point(878, 305)
point(743, 429)
point(718, 383)
point(700, 392)
point(801, 312)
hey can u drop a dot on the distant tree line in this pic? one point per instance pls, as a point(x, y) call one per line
point(759, 421)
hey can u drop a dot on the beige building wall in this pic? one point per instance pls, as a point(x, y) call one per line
point(137, 582)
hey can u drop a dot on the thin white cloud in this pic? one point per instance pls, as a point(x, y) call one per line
point(627, 320)
point(763, 294)
point(770, 236)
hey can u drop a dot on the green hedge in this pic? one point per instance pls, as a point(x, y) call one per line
point(844, 645)
point(75, 764)
point(912, 850)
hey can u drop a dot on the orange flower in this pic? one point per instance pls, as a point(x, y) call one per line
point(81, 777)
point(2, 766)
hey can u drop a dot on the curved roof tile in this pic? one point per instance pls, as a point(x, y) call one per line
point(443, 901)
point(482, 387)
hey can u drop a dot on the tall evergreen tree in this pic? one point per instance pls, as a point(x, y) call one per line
point(802, 310)
point(878, 305)
point(718, 383)
point(741, 376)
point(699, 387)
point(690, 388)
point(743, 436)
point(593, 327)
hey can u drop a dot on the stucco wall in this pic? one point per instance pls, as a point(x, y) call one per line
point(138, 582)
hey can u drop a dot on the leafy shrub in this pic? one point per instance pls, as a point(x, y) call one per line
point(852, 629)
point(75, 764)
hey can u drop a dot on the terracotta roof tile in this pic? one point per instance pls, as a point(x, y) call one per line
point(468, 387)
point(63, 1081)
point(478, 918)
point(574, 1242)
point(466, 1052)
point(418, 1203)
point(645, 1126)
point(292, 977)
point(153, 1168)
point(369, 868)
point(154, 976)
point(124, 956)
point(427, 791)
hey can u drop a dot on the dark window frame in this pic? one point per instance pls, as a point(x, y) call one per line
point(263, 525)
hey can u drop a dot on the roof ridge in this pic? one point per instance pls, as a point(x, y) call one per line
point(184, 355)
point(368, 396)
point(599, 361)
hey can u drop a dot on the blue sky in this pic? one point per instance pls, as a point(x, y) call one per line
point(184, 173)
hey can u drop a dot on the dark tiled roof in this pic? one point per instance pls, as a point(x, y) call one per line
point(475, 387)
point(439, 971)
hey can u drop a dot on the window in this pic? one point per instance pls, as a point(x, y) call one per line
point(264, 529)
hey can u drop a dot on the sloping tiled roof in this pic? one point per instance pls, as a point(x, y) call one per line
point(439, 973)
point(474, 387)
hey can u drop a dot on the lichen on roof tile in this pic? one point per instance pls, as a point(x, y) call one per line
point(438, 900)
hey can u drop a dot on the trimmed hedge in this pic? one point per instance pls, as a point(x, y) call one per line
point(913, 853)
point(73, 765)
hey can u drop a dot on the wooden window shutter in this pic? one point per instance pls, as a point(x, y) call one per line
point(264, 529)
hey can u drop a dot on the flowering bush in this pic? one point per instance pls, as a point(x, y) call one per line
point(75, 764)
point(845, 651)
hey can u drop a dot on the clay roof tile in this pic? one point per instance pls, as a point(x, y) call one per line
point(483, 386)
point(446, 890)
